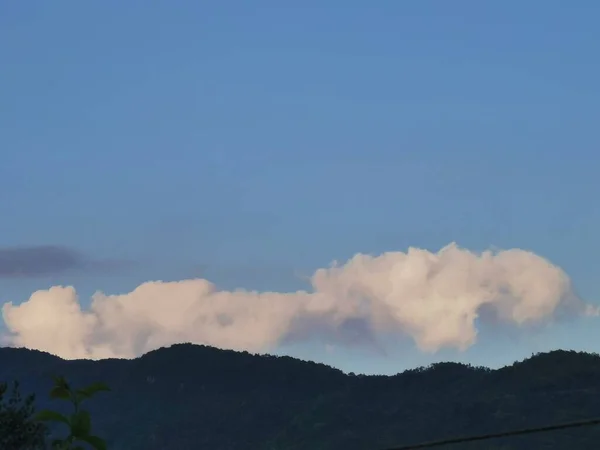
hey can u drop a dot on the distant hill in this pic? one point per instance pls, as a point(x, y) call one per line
point(197, 397)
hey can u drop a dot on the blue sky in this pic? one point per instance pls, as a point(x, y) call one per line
point(253, 142)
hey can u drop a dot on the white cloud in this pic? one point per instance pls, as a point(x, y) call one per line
point(435, 298)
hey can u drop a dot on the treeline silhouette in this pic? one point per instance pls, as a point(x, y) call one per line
point(193, 397)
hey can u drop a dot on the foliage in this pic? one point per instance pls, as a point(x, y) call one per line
point(79, 421)
point(18, 429)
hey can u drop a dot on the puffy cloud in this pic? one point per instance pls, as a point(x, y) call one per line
point(435, 298)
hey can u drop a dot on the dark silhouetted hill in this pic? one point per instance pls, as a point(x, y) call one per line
point(198, 397)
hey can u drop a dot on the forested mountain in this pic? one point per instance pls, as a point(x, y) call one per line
point(197, 397)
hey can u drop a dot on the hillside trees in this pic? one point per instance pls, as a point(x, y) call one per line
point(18, 428)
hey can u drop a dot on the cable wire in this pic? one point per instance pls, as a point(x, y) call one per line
point(481, 437)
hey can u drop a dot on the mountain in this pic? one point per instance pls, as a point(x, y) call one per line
point(197, 397)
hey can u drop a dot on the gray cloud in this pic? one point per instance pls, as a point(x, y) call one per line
point(45, 260)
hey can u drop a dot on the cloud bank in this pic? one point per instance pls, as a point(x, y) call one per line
point(436, 299)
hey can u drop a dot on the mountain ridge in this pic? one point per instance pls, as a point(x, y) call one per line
point(192, 396)
point(539, 355)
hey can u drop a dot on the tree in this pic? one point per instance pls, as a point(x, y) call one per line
point(79, 422)
point(18, 428)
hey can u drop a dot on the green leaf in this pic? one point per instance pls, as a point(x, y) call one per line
point(81, 424)
point(47, 415)
point(61, 382)
point(89, 391)
point(60, 393)
point(94, 441)
point(58, 443)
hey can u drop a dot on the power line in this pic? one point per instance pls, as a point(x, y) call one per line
point(481, 437)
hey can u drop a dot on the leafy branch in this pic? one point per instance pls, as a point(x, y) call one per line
point(79, 422)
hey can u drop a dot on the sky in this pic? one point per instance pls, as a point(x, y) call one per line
point(374, 185)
